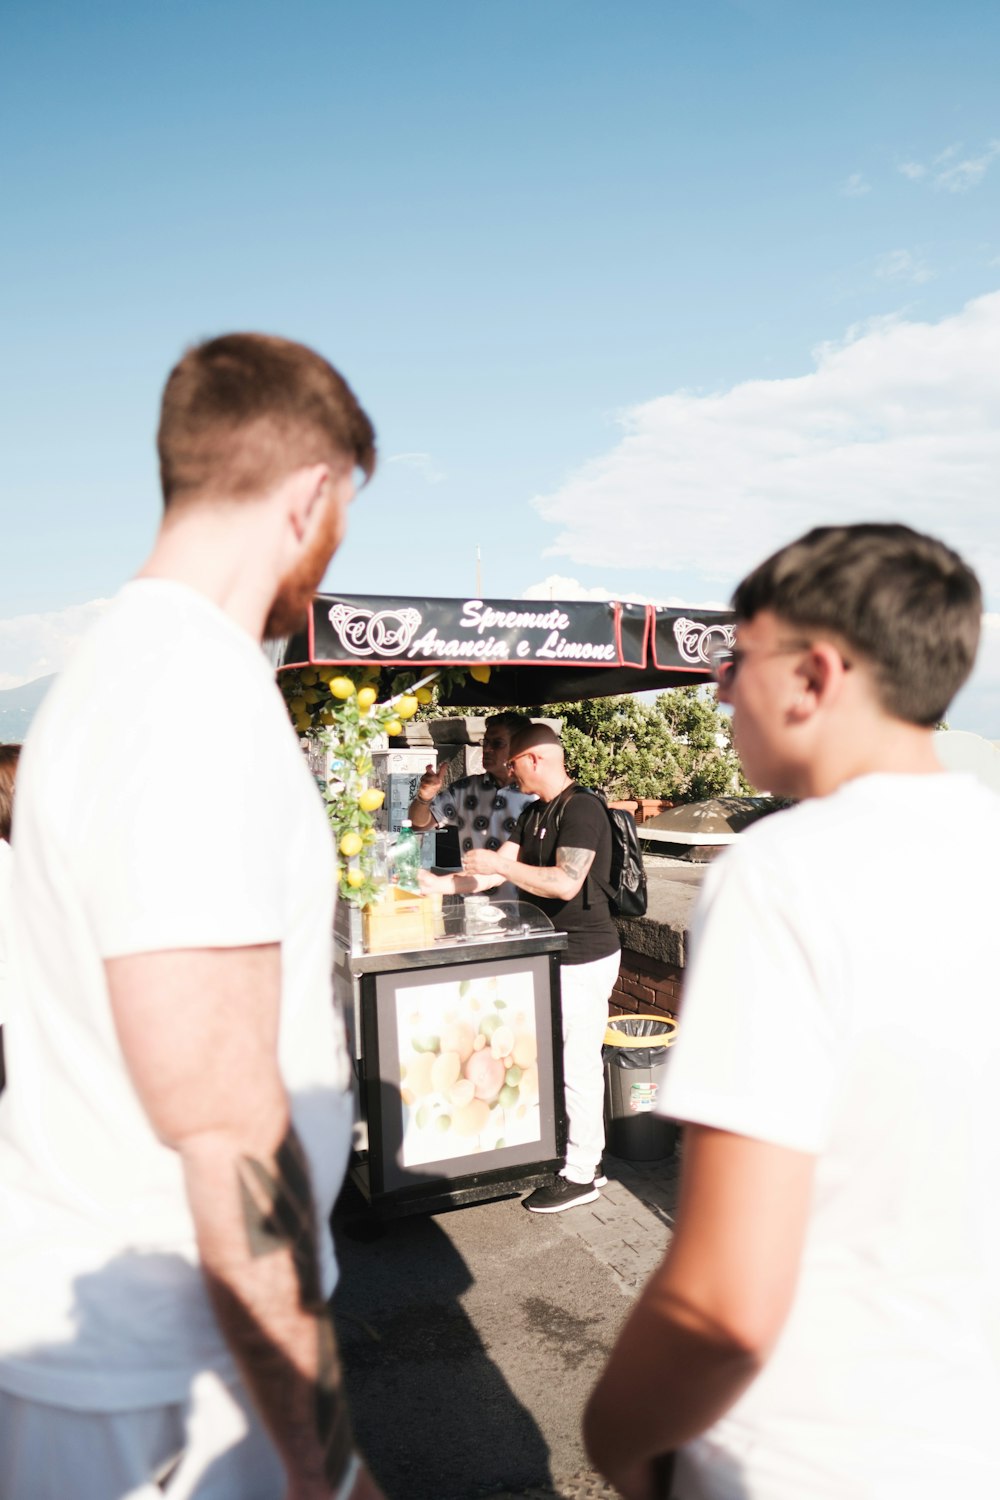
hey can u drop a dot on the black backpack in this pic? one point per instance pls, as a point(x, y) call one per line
point(627, 897)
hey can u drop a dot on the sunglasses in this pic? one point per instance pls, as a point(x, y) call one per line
point(726, 661)
point(515, 758)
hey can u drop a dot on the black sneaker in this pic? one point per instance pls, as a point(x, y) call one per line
point(558, 1194)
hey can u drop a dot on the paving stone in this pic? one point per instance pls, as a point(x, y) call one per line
point(629, 1226)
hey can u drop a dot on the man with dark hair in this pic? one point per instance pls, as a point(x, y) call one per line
point(178, 1118)
point(826, 1322)
point(559, 855)
point(484, 808)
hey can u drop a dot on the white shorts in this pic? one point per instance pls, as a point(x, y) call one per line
point(212, 1447)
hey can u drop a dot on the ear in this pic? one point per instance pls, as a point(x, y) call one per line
point(306, 488)
point(819, 676)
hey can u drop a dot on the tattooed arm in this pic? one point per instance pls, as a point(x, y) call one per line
point(560, 881)
point(199, 1032)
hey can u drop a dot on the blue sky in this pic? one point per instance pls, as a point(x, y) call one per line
point(632, 292)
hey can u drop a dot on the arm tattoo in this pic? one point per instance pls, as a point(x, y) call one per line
point(575, 862)
point(279, 1214)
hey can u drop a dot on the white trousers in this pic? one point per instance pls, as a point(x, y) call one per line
point(586, 990)
point(212, 1447)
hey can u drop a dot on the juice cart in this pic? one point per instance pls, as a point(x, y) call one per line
point(458, 1058)
point(453, 1011)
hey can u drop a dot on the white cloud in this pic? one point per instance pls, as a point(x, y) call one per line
point(856, 186)
point(900, 265)
point(959, 176)
point(950, 173)
point(900, 421)
point(421, 463)
point(36, 645)
point(556, 586)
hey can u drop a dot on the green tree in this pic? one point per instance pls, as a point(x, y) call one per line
point(678, 747)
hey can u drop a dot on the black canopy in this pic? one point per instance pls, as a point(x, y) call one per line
point(539, 651)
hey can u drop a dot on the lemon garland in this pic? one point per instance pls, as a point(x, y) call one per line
point(339, 707)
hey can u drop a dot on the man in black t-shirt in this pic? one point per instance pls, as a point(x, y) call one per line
point(560, 856)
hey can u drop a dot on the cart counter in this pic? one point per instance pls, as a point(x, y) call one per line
point(457, 1050)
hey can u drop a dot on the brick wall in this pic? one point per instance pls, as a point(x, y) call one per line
point(646, 986)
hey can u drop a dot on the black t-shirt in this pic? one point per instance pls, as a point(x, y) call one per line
point(573, 820)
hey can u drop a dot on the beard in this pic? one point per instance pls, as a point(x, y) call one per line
point(290, 606)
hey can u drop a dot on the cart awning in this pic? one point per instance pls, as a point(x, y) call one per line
point(540, 651)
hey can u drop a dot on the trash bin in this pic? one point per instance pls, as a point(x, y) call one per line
point(635, 1059)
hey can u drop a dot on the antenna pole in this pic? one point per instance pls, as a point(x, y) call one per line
point(479, 572)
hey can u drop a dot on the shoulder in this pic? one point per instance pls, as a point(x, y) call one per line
point(144, 704)
point(583, 814)
point(584, 803)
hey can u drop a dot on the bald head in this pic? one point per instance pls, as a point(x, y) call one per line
point(537, 737)
point(538, 760)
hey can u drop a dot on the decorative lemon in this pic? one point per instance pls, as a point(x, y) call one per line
point(393, 727)
point(480, 674)
point(309, 677)
point(311, 695)
point(366, 697)
point(424, 696)
point(371, 799)
point(355, 878)
point(341, 687)
point(325, 674)
point(298, 706)
point(350, 845)
point(407, 706)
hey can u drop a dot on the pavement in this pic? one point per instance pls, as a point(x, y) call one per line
point(471, 1339)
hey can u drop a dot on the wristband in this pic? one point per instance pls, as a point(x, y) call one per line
point(349, 1480)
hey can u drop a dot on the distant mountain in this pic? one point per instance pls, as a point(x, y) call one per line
point(18, 706)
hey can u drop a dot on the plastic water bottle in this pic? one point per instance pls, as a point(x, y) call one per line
point(406, 859)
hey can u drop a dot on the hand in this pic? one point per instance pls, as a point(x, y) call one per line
point(429, 883)
point(481, 862)
point(430, 783)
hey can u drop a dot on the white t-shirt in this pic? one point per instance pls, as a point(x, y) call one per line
point(842, 1001)
point(163, 803)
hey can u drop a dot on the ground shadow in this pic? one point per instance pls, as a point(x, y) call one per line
point(432, 1413)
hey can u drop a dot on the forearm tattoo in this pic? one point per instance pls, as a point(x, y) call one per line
point(575, 862)
point(279, 1214)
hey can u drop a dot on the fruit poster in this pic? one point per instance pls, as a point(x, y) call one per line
point(468, 1062)
point(468, 1058)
